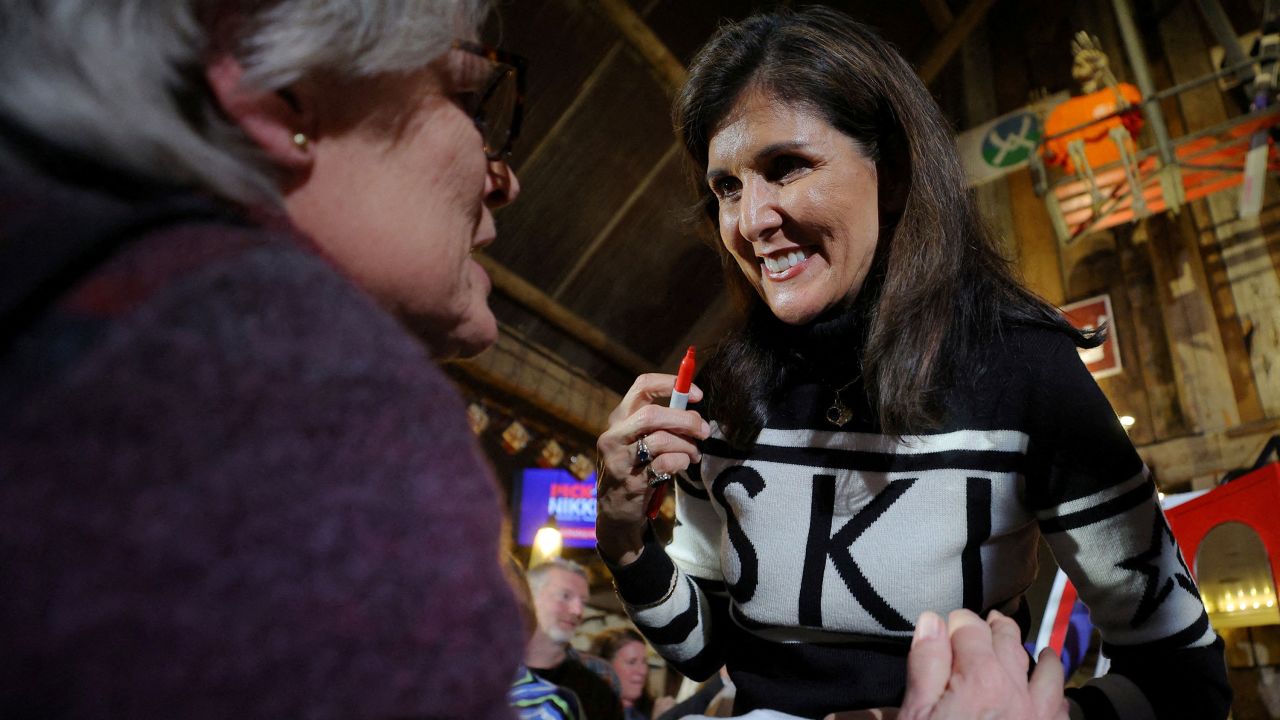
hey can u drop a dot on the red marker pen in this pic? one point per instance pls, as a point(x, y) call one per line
point(679, 401)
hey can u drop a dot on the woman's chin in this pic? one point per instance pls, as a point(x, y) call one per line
point(794, 315)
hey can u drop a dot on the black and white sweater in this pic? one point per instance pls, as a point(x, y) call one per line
point(804, 561)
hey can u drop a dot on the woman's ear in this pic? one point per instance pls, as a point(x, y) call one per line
point(280, 123)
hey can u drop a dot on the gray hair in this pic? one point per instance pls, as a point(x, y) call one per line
point(537, 575)
point(121, 83)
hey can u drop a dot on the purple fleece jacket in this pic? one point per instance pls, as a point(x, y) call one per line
point(231, 486)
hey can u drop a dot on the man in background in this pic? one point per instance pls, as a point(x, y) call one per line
point(560, 593)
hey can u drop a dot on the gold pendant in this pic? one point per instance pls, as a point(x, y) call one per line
point(839, 414)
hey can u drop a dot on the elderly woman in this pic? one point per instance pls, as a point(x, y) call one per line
point(233, 235)
point(894, 426)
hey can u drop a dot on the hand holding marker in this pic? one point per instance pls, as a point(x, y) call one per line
point(679, 401)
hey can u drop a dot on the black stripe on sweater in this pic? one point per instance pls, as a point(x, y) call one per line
point(691, 487)
point(1178, 640)
point(978, 509)
point(676, 631)
point(1098, 513)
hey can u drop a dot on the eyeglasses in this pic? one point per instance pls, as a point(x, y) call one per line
point(498, 107)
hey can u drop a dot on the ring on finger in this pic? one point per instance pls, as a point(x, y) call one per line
point(643, 456)
point(656, 478)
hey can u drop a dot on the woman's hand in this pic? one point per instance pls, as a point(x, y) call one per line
point(967, 669)
point(622, 484)
point(661, 705)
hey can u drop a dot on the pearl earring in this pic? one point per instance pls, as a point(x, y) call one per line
point(300, 139)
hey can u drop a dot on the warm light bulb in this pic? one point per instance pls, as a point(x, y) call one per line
point(1231, 607)
point(1271, 603)
point(546, 544)
point(1256, 604)
point(1160, 495)
point(1253, 591)
point(1127, 421)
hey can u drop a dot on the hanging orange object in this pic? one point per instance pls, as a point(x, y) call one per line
point(1096, 112)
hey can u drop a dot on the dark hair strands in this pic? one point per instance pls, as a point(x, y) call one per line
point(939, 289)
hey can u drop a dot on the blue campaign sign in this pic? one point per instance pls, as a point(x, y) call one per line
point(541, 493)
point(1012, 140)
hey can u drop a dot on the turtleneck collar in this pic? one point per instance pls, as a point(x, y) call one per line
point(829, 349)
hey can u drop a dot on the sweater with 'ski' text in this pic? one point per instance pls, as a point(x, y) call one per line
point(803, 560)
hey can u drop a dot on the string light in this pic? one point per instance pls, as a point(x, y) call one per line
point(1235, 601)
point(519, 433)
point(551, 454)
point(515, 437)
point(581, 466)
point(477, 418)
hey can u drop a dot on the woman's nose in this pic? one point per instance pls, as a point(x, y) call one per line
point(761, 213)
point(501, 186)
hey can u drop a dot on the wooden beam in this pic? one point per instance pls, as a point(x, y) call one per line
point(939, 14)
point(524, 293)
point(1202, 459)
point(941, 53)
point(577, 104)
point(669, 70)
point(523, 369)
point(589, 252)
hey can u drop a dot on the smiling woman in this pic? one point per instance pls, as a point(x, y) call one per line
point(798, 206)
point(627, 652)
point(894, 425)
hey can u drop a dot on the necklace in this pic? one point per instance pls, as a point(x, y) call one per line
point(839, 414)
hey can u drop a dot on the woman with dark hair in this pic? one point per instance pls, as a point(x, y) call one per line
point(627, 652)
point(896, 423)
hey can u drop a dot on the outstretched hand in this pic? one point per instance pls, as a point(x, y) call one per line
point(967, 669)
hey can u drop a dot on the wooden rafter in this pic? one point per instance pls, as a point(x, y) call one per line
point(938, 56)
point(520, 290)
point(939, 14)
point(518, 367)
point(669, 70)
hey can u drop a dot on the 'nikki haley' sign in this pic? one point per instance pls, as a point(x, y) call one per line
point(540, 494)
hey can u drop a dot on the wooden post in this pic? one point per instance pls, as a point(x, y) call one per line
point(1150, 343)
point(1255, 287)
point(1200, 363)
point(980, 106)
point(1039, 257)
point(1101, 272)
